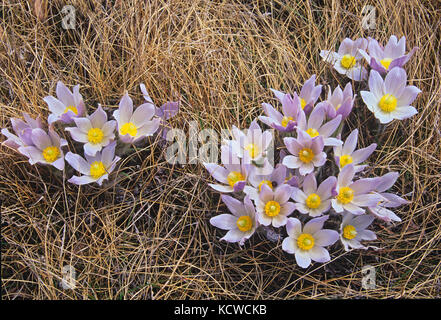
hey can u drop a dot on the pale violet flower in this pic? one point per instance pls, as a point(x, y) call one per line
point(135, 125)
point(285, 121)
point(276, 178)
point(353, 230)
point(390, 99)
point(314, 200)
point(348, 59)
point(94, 168)
point(67, 106)
point(306, 152)
point(339, 102)
point(309, 94)
point(307, 243)
point(46, 148)
point(22, 130)
point(241, 224)
point(94, 131)
point(347, 154)
point(273, 207)
point(391, 56)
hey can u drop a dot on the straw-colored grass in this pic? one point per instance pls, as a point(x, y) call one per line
point(147, 236)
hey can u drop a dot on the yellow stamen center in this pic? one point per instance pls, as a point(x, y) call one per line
point(312, 132)
point(267, 182)
point(338, 107)
point(233, 177)
point(50, 154)
point(272, 208)
point(305, 241)
point(349, 232)
point(71, 108)
point(345, 195)
point(95, 135)
point(347, 61)
point(388, 103)
point(306, 155)
point(386, 62)
point(345, 159)
point(128, 128)
point(285, 120)
point(313, 201)
point(244, 223)
point(302, 103)
point(97, 169)
point(252, 149)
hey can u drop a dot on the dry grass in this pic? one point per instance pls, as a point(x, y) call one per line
point(148, 236)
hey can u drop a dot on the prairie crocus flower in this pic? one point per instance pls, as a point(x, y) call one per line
point(307, 243)
point(67, 106)
point(94, 131)
point(276, 178)
point(241, 224)
point(389, 200)
point(347, 60)
point(353, 230)
point(306, 152)
point(273, 207)
point(391, 56)
point(233, 174)
point(135, 125)
point(23, 131)
point(94, 168)
point(347, 154)
point(285, 121)
point(353, 196)
point(46, 148)
point(314, 127)
point(339, 102)
point(309, 94)
point(390, 99)
point(314, 200)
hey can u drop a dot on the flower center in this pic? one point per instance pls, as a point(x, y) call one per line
point(349, 232)
point(95, 135)
point(338, 107)
point(312, 132)
point(305, 241)
point(244, 223)
point(313, 201)
point(252, 149)
point(50, 154)
point(286, 120)
point(347, 61)
point(233, 177)
point(388, 103)
point(345, 195)
point(97, 169)
point(272, 208)
point(71, 108)
point(128, 128)
point(267, 182)
point(306, 155)
point(345, 159)
point(386, 62)
point(302, 103)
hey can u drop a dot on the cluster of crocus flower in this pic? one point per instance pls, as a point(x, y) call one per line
point(320, 176)
point(97, 134)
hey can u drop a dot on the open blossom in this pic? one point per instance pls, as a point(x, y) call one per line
point(241, 224)
point(23, 131)
point(135, 125)
point(315, 127)
point(353, 230)
point(276, 178)
point(348, 59)
point(309, 94)
point(94, 168)
point(308, 243)
point(46, 148)
point(273, 207)
point(347, 154)
point(67, 106)
point(306, 152)
point(339, 102)
point(94, 131)
point(314, 200)
point(232, 175)
point(390, 200)
point(391, 56)
point(285, 121)
point(390, 99)
point(353, 196)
